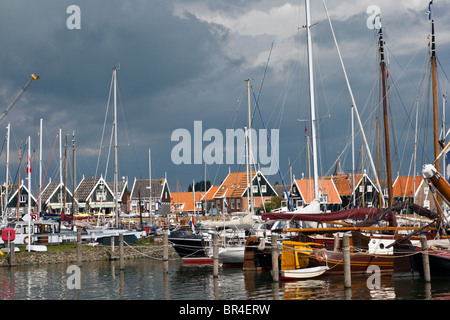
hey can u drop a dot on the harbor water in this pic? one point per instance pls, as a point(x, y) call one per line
point(144, 279)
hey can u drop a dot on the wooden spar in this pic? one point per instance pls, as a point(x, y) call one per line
point(386, 123)
point(344, 229)
point(431, 173)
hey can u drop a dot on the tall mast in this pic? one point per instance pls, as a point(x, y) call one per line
point(7, 167)
point(312, 100)
point(60, 171)
point(386, 122)
point(249, 142)
point(40, 168)
point(116, 202)
point(369, 154)
point(29, 191)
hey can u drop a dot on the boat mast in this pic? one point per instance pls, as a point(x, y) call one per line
point(40, 168)
point(386, 122)
point(249, 147)
point(116, 207)
point(8, 130)
point(29, 192)
point(372, 165)
point(312, 100)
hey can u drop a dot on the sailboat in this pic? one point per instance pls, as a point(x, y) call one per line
point(372, 244)
point(439, 255)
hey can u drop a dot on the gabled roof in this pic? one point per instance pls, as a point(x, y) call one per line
point(50, 190)
point(209, 195)
point(87, 186)
point(16, 188)
point(185, 201)
point(344, 183)
point(141, 187)
point(234, 185)
point(327, 186)
point(121, 187)
point(404, 186)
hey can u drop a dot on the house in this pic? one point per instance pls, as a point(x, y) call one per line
point(366, 192)
point(413, 190)
point(183, 203)
point(232, 195)
point(52, 198)
point(19, 199)
point(160, 196)
point(95, 194)
point(302, 193)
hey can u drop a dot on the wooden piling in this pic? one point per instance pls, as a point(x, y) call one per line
point(166, 252)
point(121, 253)
point(275, 271)
point(425, 259)
point(79, 256)
point(347, 267)
point(12, 254)
point(112, 248)
point(215, 255)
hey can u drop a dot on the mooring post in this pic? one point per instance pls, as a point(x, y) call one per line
point(215, 255)
point(166, 252)
point(79, 257)
point(347, 268)
point(121, 257)
point(12, 254)
point(112, 248)
point(275, 271)
point(425, 259)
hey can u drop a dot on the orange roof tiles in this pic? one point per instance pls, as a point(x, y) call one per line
point(306, 188)
point(234, 185)
point(404, 186)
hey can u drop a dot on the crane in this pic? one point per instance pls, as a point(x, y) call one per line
point(16, 98)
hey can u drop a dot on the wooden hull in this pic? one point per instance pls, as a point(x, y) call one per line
point(439, 262)
point(256, 257)
point(359, 262)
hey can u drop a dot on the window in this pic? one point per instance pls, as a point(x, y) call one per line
point(264, 188)
point(369, 188)
point(361, 189)
point(100, 195)
point(426, 204)
point(238, 204)
point(324, 198)
point(23, 199)
point(255, 189)
point(425, 190)
point(232, 204)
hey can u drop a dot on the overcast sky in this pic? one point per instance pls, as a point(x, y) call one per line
point(186, 61)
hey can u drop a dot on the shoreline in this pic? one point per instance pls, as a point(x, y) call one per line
point(88, 253)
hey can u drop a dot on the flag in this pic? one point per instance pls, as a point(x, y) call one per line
point(429, 9)
point(192, 223)
point(29, 165)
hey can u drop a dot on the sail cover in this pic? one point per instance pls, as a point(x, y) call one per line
point(355, 213)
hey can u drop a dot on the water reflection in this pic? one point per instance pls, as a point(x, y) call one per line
point(145, 279)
